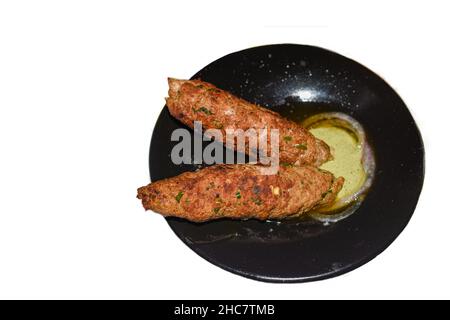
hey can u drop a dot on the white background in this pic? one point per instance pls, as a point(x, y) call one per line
point(81, 86)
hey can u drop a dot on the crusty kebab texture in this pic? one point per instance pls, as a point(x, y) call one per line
point(241, 191)
point(195, 100)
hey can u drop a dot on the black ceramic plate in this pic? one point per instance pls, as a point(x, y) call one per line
point(277, 76)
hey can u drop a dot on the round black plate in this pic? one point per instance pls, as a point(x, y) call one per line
point(296, 81)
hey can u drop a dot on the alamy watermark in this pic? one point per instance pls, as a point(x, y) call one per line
point(261, 145)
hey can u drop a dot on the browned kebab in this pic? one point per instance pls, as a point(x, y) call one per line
point(195, 100)
point(241, 191)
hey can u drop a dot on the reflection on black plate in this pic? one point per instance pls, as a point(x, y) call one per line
point(298, 81)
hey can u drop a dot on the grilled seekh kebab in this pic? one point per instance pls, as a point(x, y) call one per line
point(241, 191)
point(195, 100)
